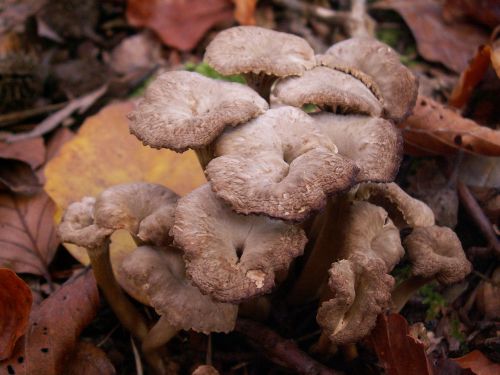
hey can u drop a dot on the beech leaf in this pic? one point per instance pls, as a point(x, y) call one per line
point(245, 11)
point(89, 359)
point(478, 363)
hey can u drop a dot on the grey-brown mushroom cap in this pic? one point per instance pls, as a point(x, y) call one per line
point(182, 110)
point(146, 210)
point(160, 274)
point(78, 227)
point(361, 290)
point(374, 144)
point(437, 252)
point(232, 257)
point(279, 165)
point(205, 370)
point(252, 49)
point(403, 209)
point(397, 83)
point(327, 88)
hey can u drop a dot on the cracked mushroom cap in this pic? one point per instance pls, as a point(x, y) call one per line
point(403, 209)
point(159, 273)
point(361, 290)
point(278, 165)
point(78, 227)
point(229, 256)
point(396, 83)
point(252, 49)
point(374, 144)
point(182, 110)
point(145, 210)
point(436, 252)
point(329, 89)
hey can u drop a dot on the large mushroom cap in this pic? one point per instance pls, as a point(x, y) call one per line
point(436, 252)
point(160, 274)
point(397, 84)
point(361, 290)
point(374, 144)
point(251, 49)
point(229, 256)
point(182, 110)
point(145, 210)
point(329, 89)
point(279, 165)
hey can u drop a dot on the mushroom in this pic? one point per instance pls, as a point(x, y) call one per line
point(232, 257)
point(435, 254)
point(205, 370)
point(183, 110)
point(261, 55)
point(159, 272)
point(396, 83)
point(279, 165)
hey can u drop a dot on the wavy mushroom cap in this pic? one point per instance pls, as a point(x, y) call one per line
point(252, 49)
point(327, 88)
point(397, 83)
point(229, 256)
point(361, 290)
point(436, 252)
point(182, 110)
point(279, 165)
point(403, 209)
point(159, 273)
point(78, 227)
point(374, 144)
point(145, 210)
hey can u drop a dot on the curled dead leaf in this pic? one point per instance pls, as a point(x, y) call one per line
point(478, 363)
point(245, 11)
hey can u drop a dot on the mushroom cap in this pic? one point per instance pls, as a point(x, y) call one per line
point(278, 165)
point(374, 144)
point(229, 256)
point(145, 210)
point(326, 88)
point(361, 290)
point(397, 83)
point(77, 225)
point(436, 252)
point(205, 370)
point(182, 110)
point(252, 49)
point(160, 274)
point(403, 209)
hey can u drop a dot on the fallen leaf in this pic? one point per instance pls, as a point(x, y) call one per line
point(27, 233)
point(480, 171)
point(495, 56)
point(485, 11)
point(179, 23)
point(54, 328)
point(102, 154)
point(478, 363)
point(15, 307)
point(89, 359)
point(488, 297)
point(436, 129)
point(450, 44)
point(245, 11)
point(13, 13)
point(398, 352)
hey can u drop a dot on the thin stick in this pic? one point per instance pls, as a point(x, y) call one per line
point(15, 117)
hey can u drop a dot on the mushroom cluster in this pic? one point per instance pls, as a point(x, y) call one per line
point(281, 182)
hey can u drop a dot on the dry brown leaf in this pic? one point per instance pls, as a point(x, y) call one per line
point(452, 44)
point(54, 328)
point(437, 130)
point(179, 23)
point(398, 352)
point(27, 233)
point(245, 11)
point(485, 11)
point(14, 13)
point(89, 359)
point(495, 56)
point(478, 363)
point(15, 307)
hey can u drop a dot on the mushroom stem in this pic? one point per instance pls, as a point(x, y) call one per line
point(205, 154)
point(403, 292)
point(161, 333)
point(261, 83)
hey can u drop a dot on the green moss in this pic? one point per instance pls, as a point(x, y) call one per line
point(207, 71)
point(433, 299)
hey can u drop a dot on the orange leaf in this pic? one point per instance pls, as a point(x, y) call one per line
point(245, 11)
point(478, 363)
point(15, 307)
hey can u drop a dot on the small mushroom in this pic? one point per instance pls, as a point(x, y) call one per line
point(205, 370)
point(374, 144)
point(279, 165)
point(262, 55)
point(229, 256)
point(435, 254)
point(396, 83)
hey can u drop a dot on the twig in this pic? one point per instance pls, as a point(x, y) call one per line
point(478, 216)
point(15, 117)
point(137, 358)
point(281, 350)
